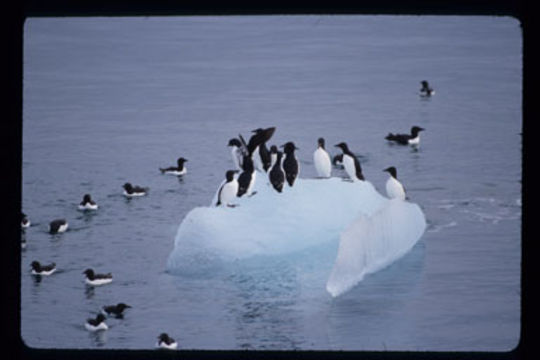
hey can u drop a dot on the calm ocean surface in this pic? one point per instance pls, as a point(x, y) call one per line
point(110, 100)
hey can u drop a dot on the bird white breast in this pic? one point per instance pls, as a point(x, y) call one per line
point(45, 273)
point(415, 141)
point(88, 206)
point(63, 228)
point(257, 160)
point(98, 281)
point(252, 183)
point(176, 172)
point(323, 165)
point(25, 224)
point(394, 189)
point(350, 169)
point(101, 326)
point(134, 194)
point(235, 154)
point(171, 346)
point(273, 159)
point(228, 192)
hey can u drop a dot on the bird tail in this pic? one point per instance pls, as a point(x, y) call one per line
point(390, 136)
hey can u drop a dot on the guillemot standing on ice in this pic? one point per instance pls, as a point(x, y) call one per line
point(321, 159)
point(96, 324)
point(350, 163)
point(38, 269)
point(257, 147)
point(394, 189)
point(166, 342)
point(58, 226)
point(273, 156)
point(238, 151)
point(338, 160)
point(229, 189)
point(179, 169)
point(290, 163)
point(276, 174)
point(426, 90)
point(87, 203)
point(115, 310)
point(130, 190)
point(246, 180)
point(97, 279)
point(406, 139)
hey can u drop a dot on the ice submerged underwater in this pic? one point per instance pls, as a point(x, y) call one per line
point(373, 231)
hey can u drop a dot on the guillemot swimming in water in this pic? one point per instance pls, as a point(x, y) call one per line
point(406, 139)
point(290, 163)
point(426, 90)
point(115, 310)
point(38, 269)
point(394, 189)
point(97, 279)
point(87, 203)
point(58, 226)
point(246, 180)
point(166, 342)
point(130, 190)
point(179, 169)
point(25, 223)
point(321, 159)
point(96, 324)
point(276, 174)
point(350, 163)
point(227, 192)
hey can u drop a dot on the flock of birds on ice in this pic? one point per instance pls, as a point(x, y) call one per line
point(248, 157)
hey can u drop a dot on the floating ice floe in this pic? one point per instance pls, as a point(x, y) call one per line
point(372, 230)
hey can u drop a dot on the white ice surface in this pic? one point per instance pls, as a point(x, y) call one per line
point(312, 212)
point(371, 243)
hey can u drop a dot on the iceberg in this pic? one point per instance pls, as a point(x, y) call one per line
point(313, 212)
point(371, 243)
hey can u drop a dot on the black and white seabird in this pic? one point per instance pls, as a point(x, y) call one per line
point(115, 310)
point(257, 148)
point(238, 151)
point(227, 192)
point(246, 180)
point(426, 90)
point(38, 269)
point(276, 174)
point(338, 160)
point(179, 169)
point(96, 324)
point(350, 163)
point(273, 156)
point(166, 342)
point(58, 226)
point(394, 189)
point(290, 163)
point(130, 190)
point(406, 139)
point(321, 159)
point(87, 203)
point(25, 223)
point(97, 279)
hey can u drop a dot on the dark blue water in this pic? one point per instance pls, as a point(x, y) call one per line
point(110, 100)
